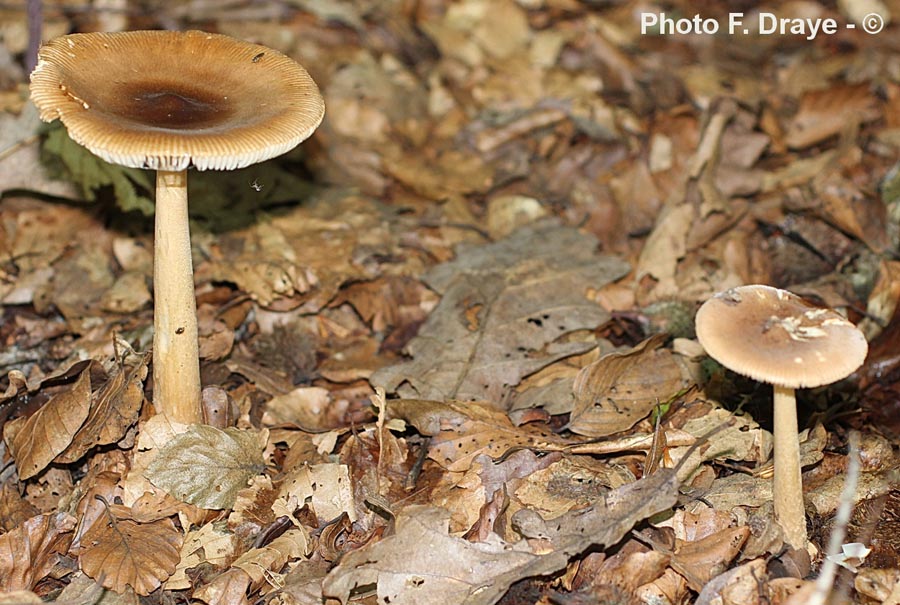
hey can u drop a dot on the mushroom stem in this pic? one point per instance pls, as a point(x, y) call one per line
point(788, 489)
point(176, 362)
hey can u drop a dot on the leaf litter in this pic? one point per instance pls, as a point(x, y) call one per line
point(506, 222)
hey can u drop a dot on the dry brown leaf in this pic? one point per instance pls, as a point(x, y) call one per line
point(825, 113)
point(20, 597)
point(390, 302)
point(84, 591)
point(421, 564)
point(228, 588)
point(207, 466)
point(35, 441)
point(14, 510)
point(101, 487)
point(159, 504)
point(30, 551)
point(253, 505)
point(706, 558)
point(114, 409)
point(263, 563)
point(300, 257)
point(613, 393)
point(303, 584)
point(461, 431)
point(626, 570)
point(670, 588)
point(848, 207)
point(304, 406)
point(121, 552)
point(738, 586)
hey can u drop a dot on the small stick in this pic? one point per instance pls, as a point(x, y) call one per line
point(825, 582)
point(35, 11)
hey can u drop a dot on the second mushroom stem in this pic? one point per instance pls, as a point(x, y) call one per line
point(176, 363)
point(788, 490)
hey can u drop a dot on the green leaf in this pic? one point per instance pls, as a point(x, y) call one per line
point(133, 188)
point(207, 466)
point(220, 200)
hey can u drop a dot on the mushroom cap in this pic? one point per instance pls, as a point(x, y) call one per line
point(775, 336)
point(169, 100)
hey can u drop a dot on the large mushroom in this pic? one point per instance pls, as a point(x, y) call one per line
point(168, 101)
point(775, 336)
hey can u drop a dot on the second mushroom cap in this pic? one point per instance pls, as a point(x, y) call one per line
point(775, 336)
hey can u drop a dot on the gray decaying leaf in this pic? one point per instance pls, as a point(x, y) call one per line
point(421, 564)
point(207, 466)
point(504, 308)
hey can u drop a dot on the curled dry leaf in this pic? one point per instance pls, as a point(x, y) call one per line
point(207, 466)
point(613, 393)
point(121, 552)
point(740, 585)
point(704, 559)
point(30, 551)
point(114, 409)
point(35, 441)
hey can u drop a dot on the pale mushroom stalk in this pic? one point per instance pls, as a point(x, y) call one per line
point(789, 509)
point(777, 337)
point(176, 361)
point(169, 101)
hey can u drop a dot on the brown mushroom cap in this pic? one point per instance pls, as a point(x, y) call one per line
point(168, 100)
point(775, 336)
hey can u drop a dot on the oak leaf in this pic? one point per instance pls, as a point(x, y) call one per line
point(505, 311)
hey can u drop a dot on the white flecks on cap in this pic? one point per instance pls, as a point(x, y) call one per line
point(775, 336)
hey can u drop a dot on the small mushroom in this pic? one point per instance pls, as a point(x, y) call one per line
point(775, 336)
point(167, 101)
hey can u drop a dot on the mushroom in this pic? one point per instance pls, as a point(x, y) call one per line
point(166, 101)
point(775, 336)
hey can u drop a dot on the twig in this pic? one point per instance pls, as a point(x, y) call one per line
point(35, 13)
point(825, 582)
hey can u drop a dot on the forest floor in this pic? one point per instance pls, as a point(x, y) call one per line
point(447, 345)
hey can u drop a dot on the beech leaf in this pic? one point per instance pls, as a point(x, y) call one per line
point(121, 552)
point(207, 466)
point(35, 441)
point(115, 408)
